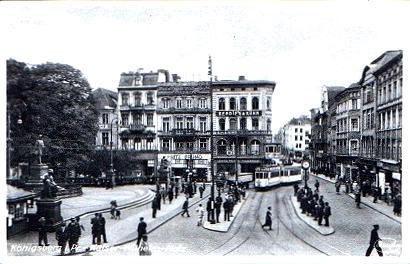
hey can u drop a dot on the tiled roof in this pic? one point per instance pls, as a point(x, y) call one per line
point(104, 97)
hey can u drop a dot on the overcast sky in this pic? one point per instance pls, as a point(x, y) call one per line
point(300, 46)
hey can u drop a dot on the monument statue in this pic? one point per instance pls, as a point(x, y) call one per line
point(50, 188)
point(39, 148)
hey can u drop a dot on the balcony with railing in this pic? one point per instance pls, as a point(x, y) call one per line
point(137, 107)
point(235, 132)
point(184, 110)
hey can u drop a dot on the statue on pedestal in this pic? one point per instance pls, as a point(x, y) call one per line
point(39, 145)
point(50, 188)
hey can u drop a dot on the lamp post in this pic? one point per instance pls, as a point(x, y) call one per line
point(112, 174)
point(212, 144)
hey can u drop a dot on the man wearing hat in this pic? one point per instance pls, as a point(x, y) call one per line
point(73, 234)
point(268, 219)
point(374, 242)
point(142, 230)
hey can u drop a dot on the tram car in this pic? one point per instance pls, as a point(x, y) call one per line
point(267, 177)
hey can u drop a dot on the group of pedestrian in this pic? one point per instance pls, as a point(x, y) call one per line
point(98, 229)
point(70, 233)
point(313, 204)
point(115, 212)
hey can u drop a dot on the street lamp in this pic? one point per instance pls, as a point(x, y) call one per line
point(305, 166)
point(112, 174)
point(212, 144)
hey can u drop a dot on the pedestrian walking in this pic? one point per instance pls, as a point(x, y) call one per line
point(327, 212)
point(268, 219)
point(185, 208)
point(170, 194)
point(154, 206)
point(374, 242)
point(61, 238)
point(163, 194)
point(397, 205)
point(227, 213)
point(218, 205)
point(195, 187)
point(200, 210)
point(73, 235)
point(319, 213)
point(357, 196)
point(141, 229)
point(112, 209)
point(96, 229)
point(209, 209)
point(317, 184)
point(201, 191)
point(176, 191)
point(231, 205)
point(42, 232)
point(375, 194)
point(77, 219)
point(337, 186)
point(102, 223)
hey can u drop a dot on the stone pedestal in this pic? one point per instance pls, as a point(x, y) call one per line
point(34, 181)
point(51, 210)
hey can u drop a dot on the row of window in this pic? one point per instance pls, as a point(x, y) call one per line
point(389, 148)
point(300, 138)
point(185, 146)
point(184, 123)
point(243, 103)
point(233, 124)
point(180, 103)
point(343, 125)
point(368, 119)
point(125, 98)
point(390, 118)
point(392, 91)
point(353, 104)
point(138, 119)
point(243, 148)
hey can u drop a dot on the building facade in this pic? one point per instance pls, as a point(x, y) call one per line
point(296, 137)
point(364, 126)
point(242, 120)
point(184, 114)
point(348, 132)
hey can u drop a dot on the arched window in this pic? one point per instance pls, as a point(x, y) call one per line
point(255, 103)
point(221, 104)
point(255, 147)
point(232, 104)
point(268, 125)
point(243, 123)
point(243, 103)
point(221, 147)
point(233, 124)
point(222, 124)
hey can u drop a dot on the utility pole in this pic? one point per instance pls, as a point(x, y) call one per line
point(212, 143)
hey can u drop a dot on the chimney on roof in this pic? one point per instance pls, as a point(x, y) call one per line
point(241, 78)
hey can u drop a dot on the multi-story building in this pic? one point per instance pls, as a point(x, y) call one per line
point(137, 102)
point(106, 104)
point(242, 119)
point(184, 115)
point(296, 136)
point(348, 132)
point(389, 82)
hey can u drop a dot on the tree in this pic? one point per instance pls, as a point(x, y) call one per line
point(52, 100)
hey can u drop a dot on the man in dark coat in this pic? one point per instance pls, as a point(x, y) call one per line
point(337, 186)
point(227, 212)
point(317, 185)
point(319, 213)
point(61, 238)
point(154, 206)
point(102, 223)
point(209, 208)
point(185, 208)
point(170, 194)
point(326, 213)
point(96, 229)
point(142, 230)
point(194, 187)
point(218, 204)
point(201, 191)
point(268, 219)
point(303, 203)
point(374, 242)
point(73, 231)
point(375, 194)
point(42, 232)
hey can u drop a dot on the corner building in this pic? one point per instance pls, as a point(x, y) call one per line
point(184, 115)
point(242, 119)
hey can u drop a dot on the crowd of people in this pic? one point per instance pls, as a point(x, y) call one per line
point(313, 204)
